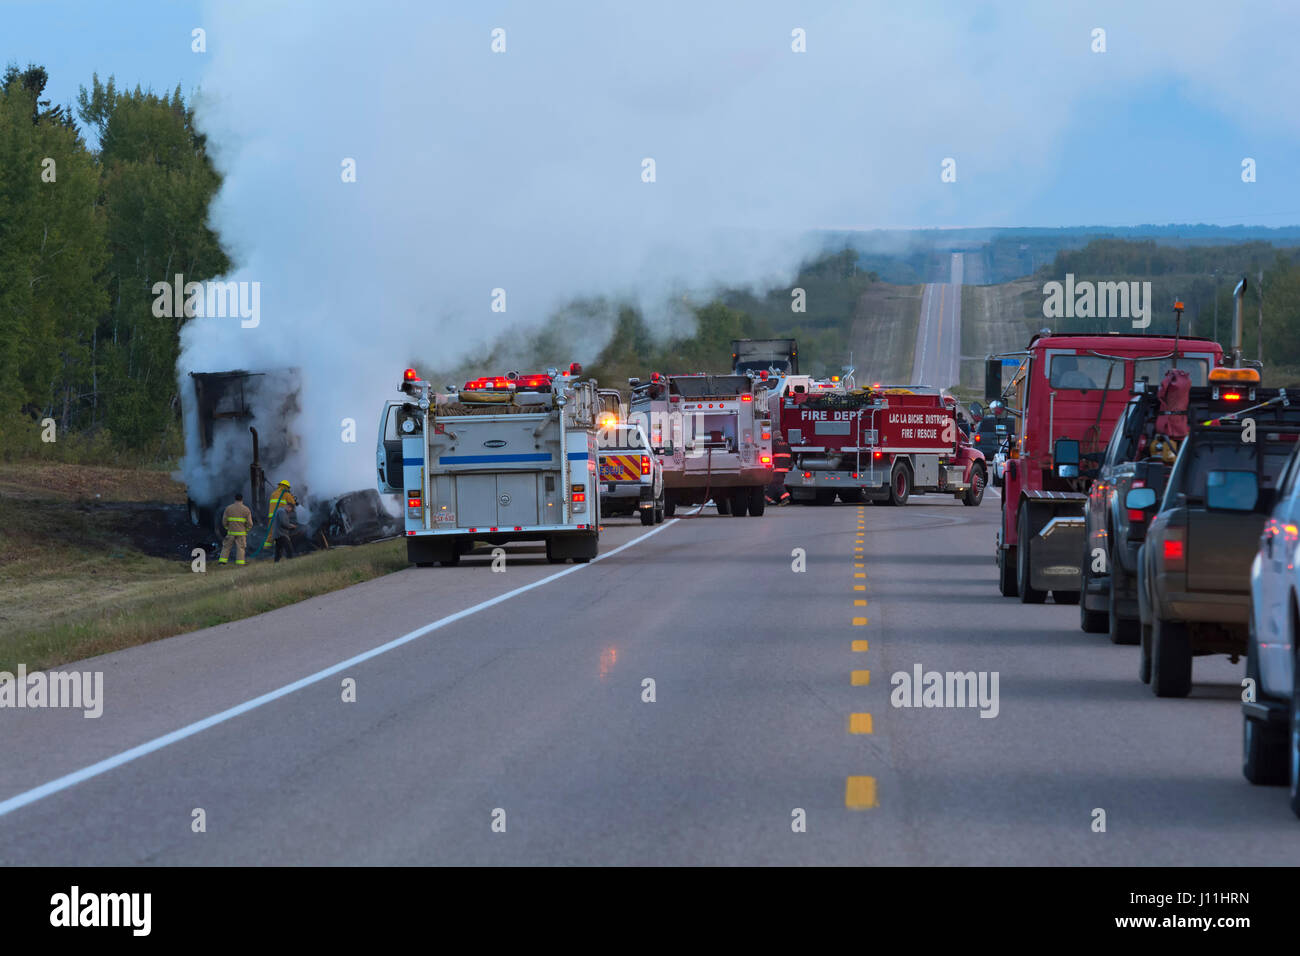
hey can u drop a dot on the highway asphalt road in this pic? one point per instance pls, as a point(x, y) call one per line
point(533, 705)
point(937, 359)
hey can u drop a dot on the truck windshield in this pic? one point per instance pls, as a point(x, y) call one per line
point(1153, 370)
point(1086, 372)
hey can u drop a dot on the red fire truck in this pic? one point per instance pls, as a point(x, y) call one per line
point(877, 444)
point(1068, 391)
point(715, 436)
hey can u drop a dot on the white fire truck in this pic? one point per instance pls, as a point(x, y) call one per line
point(715, 435)
point(505, 458)
point(877, 444)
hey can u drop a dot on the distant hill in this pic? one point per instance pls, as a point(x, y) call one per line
point(995, 255)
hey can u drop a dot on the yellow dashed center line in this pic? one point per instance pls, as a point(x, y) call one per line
point(860, 793)
point(860, 645)
point(859, 587)
point(859, 621)
point(860, 723)
point(861, 678)
point(860, 602)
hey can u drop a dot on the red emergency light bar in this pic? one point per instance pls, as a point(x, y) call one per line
point(747, 398)
point(533, 381)
point(1231, 396)
point(496, 382)
point(410, 376)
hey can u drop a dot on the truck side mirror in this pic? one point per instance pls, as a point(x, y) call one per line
point(1231, 490)
point(1065, 458)
point(1140, 499)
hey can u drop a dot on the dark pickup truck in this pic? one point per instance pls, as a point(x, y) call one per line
point(1113, 533)
point(1194, 565)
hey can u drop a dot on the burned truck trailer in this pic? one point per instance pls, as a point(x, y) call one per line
point(240, 437)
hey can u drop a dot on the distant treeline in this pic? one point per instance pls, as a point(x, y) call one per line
point(84, 233)
point(831, 286)
point(1202, 278)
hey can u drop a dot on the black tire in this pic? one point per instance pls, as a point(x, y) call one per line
point(1028, 595)
point(647, 515)
point(1144, 655)
point(1171, 659)
point(1065, 597)
point(757, 501)
point(824, 498)
point(723, 503)
point(739, 502)
point(424, 564)
point(1122, 630)
point(900, 483)
point(1265, 758)
point(670, 505)
point(450, 561)
point(659, 509)
point(975, 493)
point(1007, 573)
point(1090, 622)
point(851, 496)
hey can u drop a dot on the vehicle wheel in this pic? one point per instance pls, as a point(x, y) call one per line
point(723, 503)
point(1007, 573)
point(648, 515)
point(975, 493)
point(1065, 597)
point(1171, 659)
point(1144, 661)
point(1090, 622)
point(1264, 754)
point(659, 509)
point(824, 498)
point(670, 505)
point(739, 502)
point(451, 560)
point(757, 502)
point(1028, 595)
point(852, 496)
point(1122, 630)
point(582, 560)
point(900, 484)
point(424, 564)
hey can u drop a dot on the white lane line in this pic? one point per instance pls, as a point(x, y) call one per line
point(189, 730)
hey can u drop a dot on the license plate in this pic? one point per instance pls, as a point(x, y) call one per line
point(444, 517)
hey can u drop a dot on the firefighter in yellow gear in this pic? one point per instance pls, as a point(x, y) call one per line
point(282, 494)
point(237, 521)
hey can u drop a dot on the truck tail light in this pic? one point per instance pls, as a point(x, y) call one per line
point(412, 502)
point(875, 454)
point(747, 398)
point(579, 496)
point(1136, 516)
point(767, 436)
point(1175, 553)
point(766, 459)
point(645, 464)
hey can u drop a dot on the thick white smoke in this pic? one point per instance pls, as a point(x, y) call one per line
point(522, 170)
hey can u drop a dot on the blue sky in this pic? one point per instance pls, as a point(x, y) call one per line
point(1154, 130)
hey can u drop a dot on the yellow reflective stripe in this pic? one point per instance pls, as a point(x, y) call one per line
point(233, 533)
point(233, 518)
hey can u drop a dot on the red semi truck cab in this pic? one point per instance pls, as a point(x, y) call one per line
point(878, 443)
point(1067, 392)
